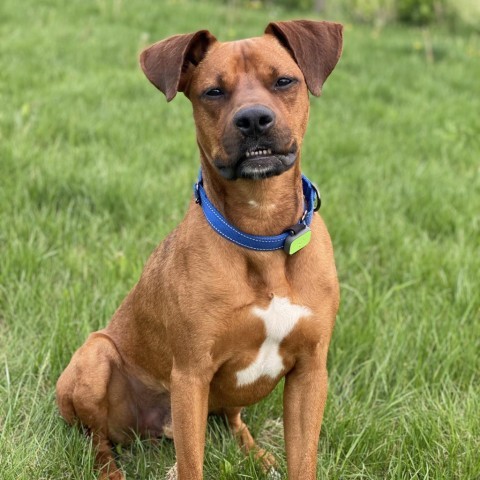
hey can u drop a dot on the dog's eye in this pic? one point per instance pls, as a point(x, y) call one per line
point(283, 82)
point(214, 92)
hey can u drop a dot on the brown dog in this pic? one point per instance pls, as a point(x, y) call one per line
point(212, 326)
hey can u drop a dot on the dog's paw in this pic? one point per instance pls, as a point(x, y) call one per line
point(266, 459)
point(172, 474)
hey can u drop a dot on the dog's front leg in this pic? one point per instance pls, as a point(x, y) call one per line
point(189, 394)
point(304, 400)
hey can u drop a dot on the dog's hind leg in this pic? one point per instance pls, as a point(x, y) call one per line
point(83, 396)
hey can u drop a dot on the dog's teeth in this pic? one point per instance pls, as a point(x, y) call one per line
point(264, 152)
point(269, 151)
point(247, 154)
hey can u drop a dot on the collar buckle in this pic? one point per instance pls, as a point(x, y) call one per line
point(196, 192)
point(318, 199)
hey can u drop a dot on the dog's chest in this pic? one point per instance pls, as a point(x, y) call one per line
point(279, 320)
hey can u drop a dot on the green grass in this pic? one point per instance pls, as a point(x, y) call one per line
point(96, 168)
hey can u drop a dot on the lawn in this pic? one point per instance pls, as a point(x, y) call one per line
point(96, 168)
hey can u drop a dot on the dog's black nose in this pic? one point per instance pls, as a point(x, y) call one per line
point(255, 120)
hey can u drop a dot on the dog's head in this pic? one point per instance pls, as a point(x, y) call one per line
point(249, 97)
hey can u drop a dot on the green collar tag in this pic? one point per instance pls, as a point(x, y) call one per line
point(299, 237)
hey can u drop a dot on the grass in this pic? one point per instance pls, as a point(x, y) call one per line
point(96, 168)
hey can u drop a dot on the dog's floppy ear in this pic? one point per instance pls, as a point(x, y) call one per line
point(169, 63)
point(315, 46)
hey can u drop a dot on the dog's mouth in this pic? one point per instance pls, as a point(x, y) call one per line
point(260, 162)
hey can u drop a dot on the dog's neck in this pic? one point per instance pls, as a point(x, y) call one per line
point(258, 207)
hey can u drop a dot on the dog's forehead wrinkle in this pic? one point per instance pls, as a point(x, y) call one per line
point(245, 58)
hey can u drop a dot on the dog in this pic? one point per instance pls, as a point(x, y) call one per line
point(244, 291)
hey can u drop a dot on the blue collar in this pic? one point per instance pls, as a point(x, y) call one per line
point(292, 240)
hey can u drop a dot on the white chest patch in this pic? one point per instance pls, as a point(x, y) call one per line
point(280, 317)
